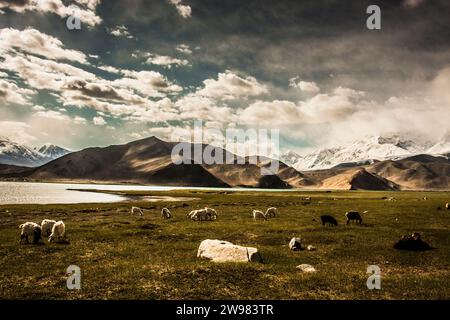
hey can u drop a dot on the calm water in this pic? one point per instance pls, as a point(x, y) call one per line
point(48, 193)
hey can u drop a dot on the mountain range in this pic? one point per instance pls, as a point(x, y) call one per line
point(366, 151)
point(13, 153)
point(149, 161)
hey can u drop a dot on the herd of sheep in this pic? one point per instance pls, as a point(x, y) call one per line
point(55, 230)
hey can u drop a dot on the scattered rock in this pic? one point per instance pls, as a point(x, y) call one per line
point(295, 244)
point(412, 242)
point(224, 251)
point(306, 268)
point(311, 248)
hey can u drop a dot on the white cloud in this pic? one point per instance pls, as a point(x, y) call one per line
point(99, 121)
point(85, 10)
point(309, 87)
point(120, 31)
point(193, 106)
point(79, 120)
point(184, 48)
point(229, 86)
point(52, 115)
point(38, 108)
point(271, 113)
point(165, 61)
point(75, 86)
point(10, 92)
point(319, 109)
point(34, 42)
point(184, 10)
point(16, 131)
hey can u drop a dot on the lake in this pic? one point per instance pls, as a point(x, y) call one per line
point(53, 193)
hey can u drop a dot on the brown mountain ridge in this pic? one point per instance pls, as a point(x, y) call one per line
point(148, 161)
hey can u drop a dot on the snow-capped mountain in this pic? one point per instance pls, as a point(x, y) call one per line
point(442, 146)
point(367, 149)
point(14, 153)
point(51, 151)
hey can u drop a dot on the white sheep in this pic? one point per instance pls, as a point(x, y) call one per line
point(165, 213)
point(211, 213)
point(198, 215)
point(30, 229)
point(138, 210)
point(58, 231)
point(190, 214)
point(271, 212)
point(447, 206)
point(258, 214)
point(46, 226)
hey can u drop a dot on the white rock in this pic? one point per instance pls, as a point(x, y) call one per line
point(311, 248)
point(295, 244)
point(224, 251)
point(306, 268)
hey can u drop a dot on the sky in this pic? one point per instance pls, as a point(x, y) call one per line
point(137, 68)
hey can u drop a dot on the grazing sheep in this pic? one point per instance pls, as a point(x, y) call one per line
point(46, 226)
point(326, 219)
point(296, 244)
point(271, 212)
point(258, 214)
point(165, 213)
point(58, 231)
point(190, 214)
point(138, 210)
point(199, 215)
point(353, 216)
point(447, 206)
point(211, 213)
point(30, 229)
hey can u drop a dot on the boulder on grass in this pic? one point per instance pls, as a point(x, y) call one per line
point(412, 242)
point(224, 251)
point(306, 268)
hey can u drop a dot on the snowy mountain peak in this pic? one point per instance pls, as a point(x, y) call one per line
point(13, 153)
point(367, 149)
point(52, 151)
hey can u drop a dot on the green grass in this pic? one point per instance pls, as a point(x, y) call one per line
point(130, 257)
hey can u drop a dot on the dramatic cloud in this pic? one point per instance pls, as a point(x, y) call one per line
point(84, 10)
point(352, 83)
point(229, 86)
point(184, 10)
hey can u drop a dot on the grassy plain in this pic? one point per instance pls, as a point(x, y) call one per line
point(132, 257)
